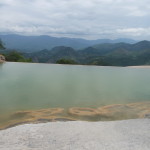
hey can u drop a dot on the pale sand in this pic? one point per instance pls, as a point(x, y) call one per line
point(78, 135)
point(139, 66)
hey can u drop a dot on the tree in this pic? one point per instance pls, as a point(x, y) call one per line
point(15, 56)
point(100, 62)
point(1, 45)
point(65, 61)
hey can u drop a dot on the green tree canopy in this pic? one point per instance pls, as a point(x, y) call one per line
point(65, 61)
point(1, 45)
point(15, 56)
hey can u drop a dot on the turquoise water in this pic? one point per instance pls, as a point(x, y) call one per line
point(34, 86)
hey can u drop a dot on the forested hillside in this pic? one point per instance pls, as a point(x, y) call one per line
point(119, 54)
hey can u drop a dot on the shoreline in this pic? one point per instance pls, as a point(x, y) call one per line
point(113, 135)
point(146, 66)
point(140, 66)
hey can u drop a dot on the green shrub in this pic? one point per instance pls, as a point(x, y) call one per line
point(65, 61)
point(15, 56)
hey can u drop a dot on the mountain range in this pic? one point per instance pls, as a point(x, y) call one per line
point(119, 52)
point(113, 54)
point(37, 43)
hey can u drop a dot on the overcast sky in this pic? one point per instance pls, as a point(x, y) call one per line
point(90, 19)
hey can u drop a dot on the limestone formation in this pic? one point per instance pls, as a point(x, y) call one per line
point(77, 111)
point(2, 59)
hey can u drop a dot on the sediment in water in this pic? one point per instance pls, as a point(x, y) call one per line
point(105, 113)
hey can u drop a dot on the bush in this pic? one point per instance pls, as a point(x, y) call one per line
point(15, 56)
point(66, 61)
point(1, 45)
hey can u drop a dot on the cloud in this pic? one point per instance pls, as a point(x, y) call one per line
point(135, 31)
point(74, 18)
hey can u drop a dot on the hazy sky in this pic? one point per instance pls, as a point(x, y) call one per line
point(90, 19)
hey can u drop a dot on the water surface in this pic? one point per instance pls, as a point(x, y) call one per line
point(25, 86)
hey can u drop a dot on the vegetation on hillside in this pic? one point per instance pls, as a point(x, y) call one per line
point(1, 45)
point(15, 56)
point(119, 54)
point(108, 54)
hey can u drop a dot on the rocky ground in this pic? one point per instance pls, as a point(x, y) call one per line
point(78, 135)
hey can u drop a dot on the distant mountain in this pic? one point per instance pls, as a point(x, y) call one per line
point(119, 54)
point(122, 54)
point(37, 43)
point(106, 48)
point(51, 56)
